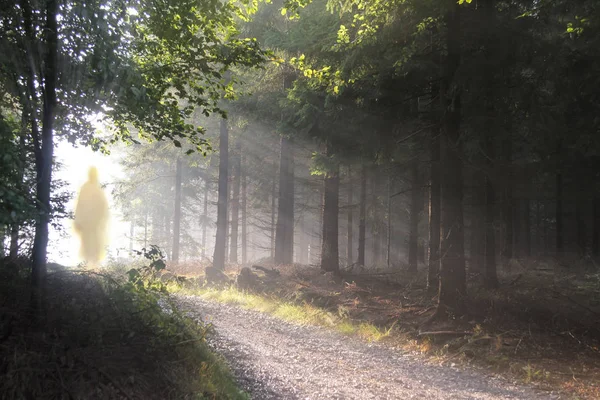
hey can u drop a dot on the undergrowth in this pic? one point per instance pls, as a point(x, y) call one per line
point(106, 336)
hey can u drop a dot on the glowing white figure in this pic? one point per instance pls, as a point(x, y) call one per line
point(91, 219)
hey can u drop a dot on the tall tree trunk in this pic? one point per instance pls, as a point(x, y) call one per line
point(388, 257)
point(235, 202)
point(452, 272)
point(350, 217)
point(284, 234)
point(362, 224)
point(508, 209)
point(219, 253)
point(559, 205)
point(43, 157)
point(580, 222)
point(415, 199)
point(273, 212)
point(177, 213)
point(596, 228)
point(478, 228)
point(434, 214)
point(131, 235)
point(329, 252)
point(244, 215)
point(526, 227)
point(205, 217)
point(490, 277)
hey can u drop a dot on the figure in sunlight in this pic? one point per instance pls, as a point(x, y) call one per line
point(91, 219)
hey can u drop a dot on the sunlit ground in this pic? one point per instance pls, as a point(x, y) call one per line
point(64, 247)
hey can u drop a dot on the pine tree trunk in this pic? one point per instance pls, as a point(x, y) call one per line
point(491, 277)
point(526, 227)
point(596, 228)
point(388, 257)
point(223, 194)
point(478, 228)
point(507, 250)
point(235, 202)
point(273, 213)
point(244, 215)
point(205, 218)
point(329, 251)
point(434, 214)
point(44, 159)
point(559, 209)
point(177, 213)
point(451, 299)
point(413, 243)
point(362, 216)
point(284, 233)
point(350, 217)
point(580, 222)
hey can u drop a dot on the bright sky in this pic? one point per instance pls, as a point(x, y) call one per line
point(76, 162)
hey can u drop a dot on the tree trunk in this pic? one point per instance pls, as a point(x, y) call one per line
point(490, 277)
point(235, 202)
point(596, 228)
point(284, 234)
point(362, 216)
point(329, 252)
point(350, 217)
point(244, 215)
point(219, 253)
point(507, 250)
point(205, 217)
point(388, 257)
point(452, 292)
point(526, 227)
point(434, 214)
point(415, 198)
point(580, 223)
point(44, 159)
point(559, 211)
point(177, 213)
point(478, 228)
point(273, 211)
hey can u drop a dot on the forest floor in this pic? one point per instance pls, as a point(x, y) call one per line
point(541, 327)
point(100, 339)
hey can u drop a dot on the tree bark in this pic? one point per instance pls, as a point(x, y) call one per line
point(244, 215)
point(284, 234)
point(350, 217)
point(44, 159)
point(478, 228)
point(362, 216)
point(413, 243)
point(205, 217)
point(329, 251)
point(490, 273)
point(235, 202)
point(177, 213)
point(580, 222)
point(559, 205)
point(526, 227)
point(451, 299)
point(388, 257)
point(434, 214)
point(223, 194)
point(273, 213)
point(508, 209)
point(596, 228)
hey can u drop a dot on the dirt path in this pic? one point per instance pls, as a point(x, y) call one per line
point(276, 360)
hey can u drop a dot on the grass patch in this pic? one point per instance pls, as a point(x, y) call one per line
point(303, 314)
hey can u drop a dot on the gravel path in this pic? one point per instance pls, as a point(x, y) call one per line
point(274, 359)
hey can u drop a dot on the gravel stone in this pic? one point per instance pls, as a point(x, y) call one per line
point(274, 359)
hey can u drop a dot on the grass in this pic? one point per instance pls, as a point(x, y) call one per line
point(303, 314)
point(102, 339)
